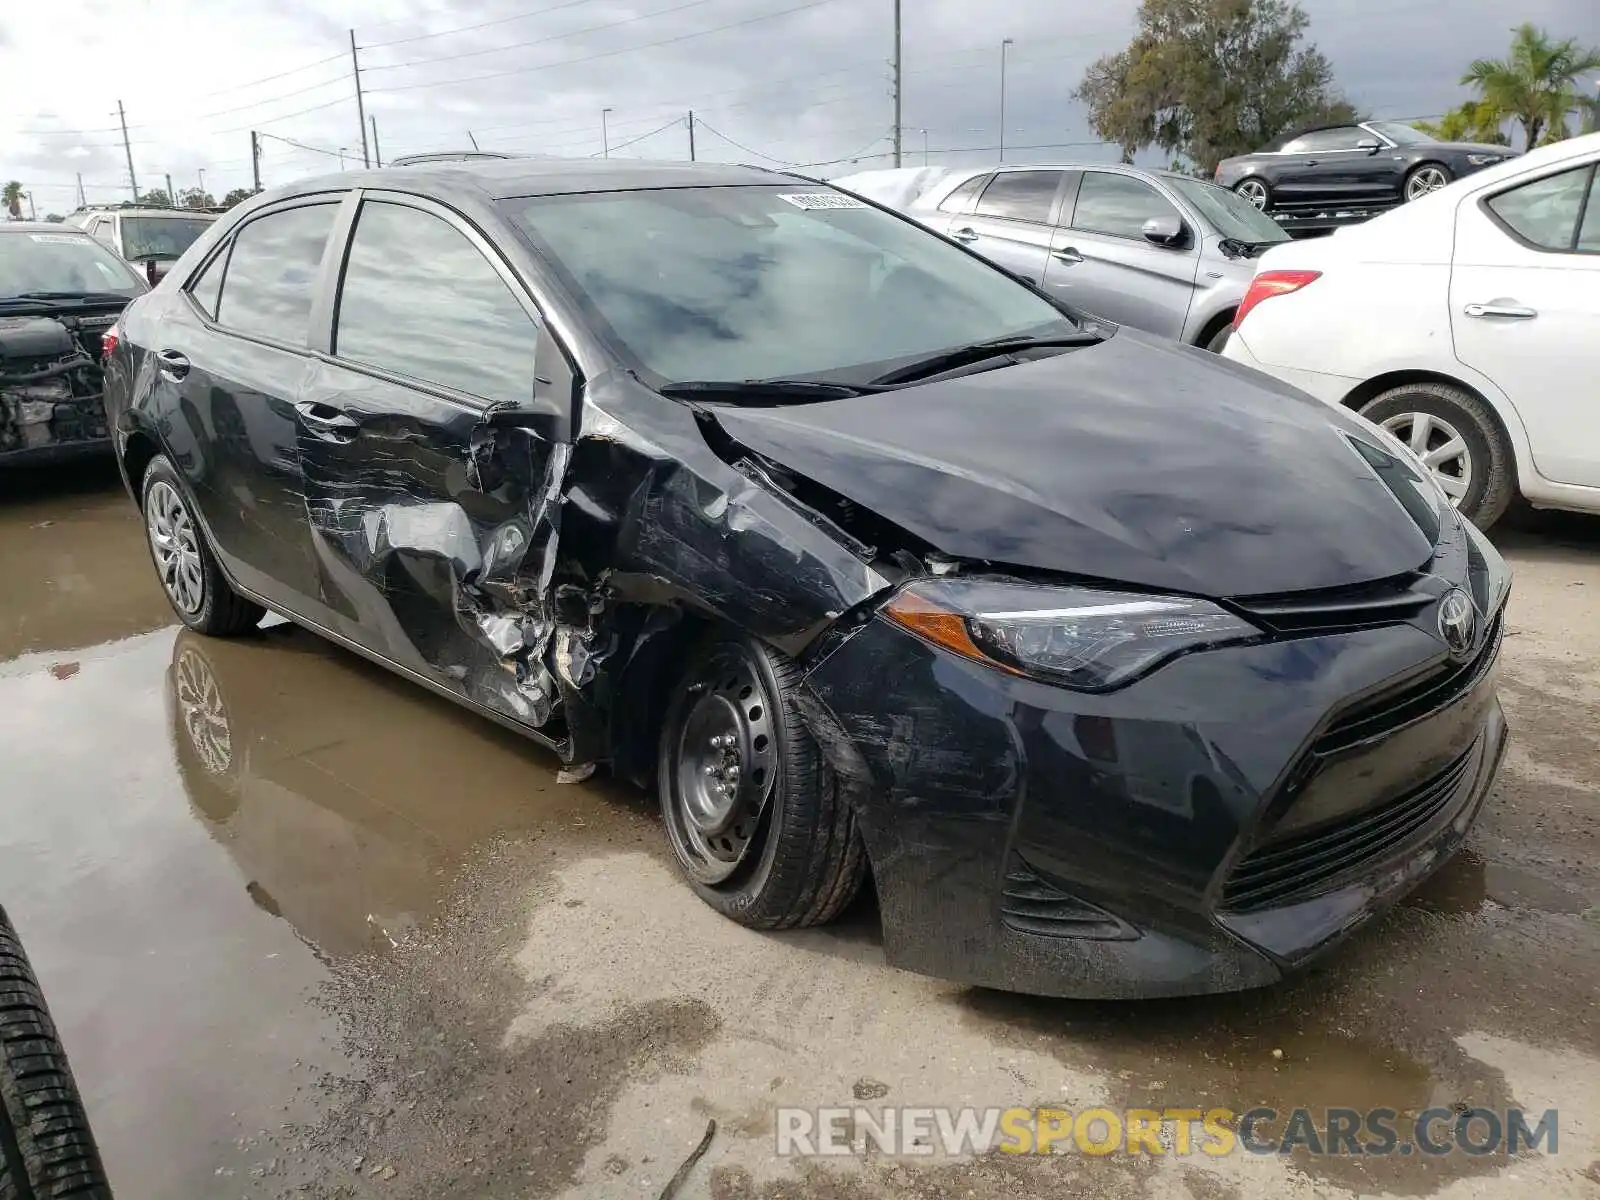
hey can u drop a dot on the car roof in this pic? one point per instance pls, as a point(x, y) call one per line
point(505, 178)
point(40, 227)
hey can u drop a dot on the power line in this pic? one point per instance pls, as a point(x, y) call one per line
point(422, 37)
point(299, 145)
point(683, 37)
point(554, 37)
point(645, 136)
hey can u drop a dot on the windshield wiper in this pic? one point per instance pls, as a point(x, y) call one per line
point(81, 297)
point(761, 391)
point(977, 352)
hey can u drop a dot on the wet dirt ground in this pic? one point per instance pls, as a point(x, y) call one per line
point(308, 930)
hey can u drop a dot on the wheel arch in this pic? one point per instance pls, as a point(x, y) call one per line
point(1515, 435)
point(1215, 325)
point(138, 452)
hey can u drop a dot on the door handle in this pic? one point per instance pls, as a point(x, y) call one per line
point(1515, 312)
point(965, 234)
point(1067, 255)
point(327, 422)
point(1311, 162)
point(172, 364)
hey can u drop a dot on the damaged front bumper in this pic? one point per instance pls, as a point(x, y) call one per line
point(1146, 842)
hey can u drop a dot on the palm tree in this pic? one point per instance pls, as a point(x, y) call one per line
point(1535, 83)
point(12, 198)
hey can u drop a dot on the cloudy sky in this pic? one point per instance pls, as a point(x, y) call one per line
point(791, 81)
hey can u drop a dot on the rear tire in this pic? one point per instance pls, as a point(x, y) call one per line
point(195, 586)
point(46, 1148)
point(787, 853)
point(1484, 473)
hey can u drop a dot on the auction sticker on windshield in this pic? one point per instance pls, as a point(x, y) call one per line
point(821, 200)
point(57, 239)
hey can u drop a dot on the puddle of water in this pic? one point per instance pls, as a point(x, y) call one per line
point(77, 571)
point(1467, 883)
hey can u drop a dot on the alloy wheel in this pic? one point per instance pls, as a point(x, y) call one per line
point(724, 769)
point(175, 545)
point(205, 719)
point(1428, 179)
point(1441, 448)
point(1254, 191)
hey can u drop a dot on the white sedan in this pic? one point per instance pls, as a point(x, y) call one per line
point(1467, 323)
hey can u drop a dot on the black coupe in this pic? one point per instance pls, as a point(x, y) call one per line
point(1355, 170)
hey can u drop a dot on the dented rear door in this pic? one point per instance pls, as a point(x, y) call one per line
point(431, 480)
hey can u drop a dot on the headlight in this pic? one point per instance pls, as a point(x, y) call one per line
point(1081, 638)
point(1483, 160)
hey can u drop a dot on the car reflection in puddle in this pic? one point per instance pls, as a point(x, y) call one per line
point(348, 798)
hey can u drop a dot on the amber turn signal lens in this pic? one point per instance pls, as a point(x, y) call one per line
point(941, 626)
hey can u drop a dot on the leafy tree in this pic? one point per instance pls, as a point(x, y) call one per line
point(1536, 83)
point(195, 198)
point(1472, 121)
point(237, 196)
point(1207, 79)
point(156, 198)
point(1589, 108)
point(11, 196)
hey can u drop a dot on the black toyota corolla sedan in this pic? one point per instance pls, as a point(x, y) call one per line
point(1118, 669)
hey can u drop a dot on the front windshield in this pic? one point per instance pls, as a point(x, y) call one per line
point(159, 238)
point(1400, 135)
point(1232, 215)
point(62, 262)
point(746, 283)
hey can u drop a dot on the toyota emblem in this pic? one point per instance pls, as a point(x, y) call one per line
point(1458, 621)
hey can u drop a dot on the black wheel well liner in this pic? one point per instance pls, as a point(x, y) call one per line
point(1215, 326)
point(137, 453)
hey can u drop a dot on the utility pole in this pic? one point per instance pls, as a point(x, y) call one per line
point(1003, 44)
point(691, 135)
point(377, 158)
point(33, 213)
point(82, 203)
point(202, 183)
point(172, 196)
point(605, 136)
point(361, 106)
point(255, 160)
point(127, 149)
point(472, 139)
point(899, 81)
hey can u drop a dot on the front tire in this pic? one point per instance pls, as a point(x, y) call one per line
point(46, 1147)
point(1428, 177)
point(1458, 438)
point(195, 585)
point(755, 816)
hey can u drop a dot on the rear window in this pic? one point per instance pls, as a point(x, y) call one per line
point(161, 239)
point(62, 262)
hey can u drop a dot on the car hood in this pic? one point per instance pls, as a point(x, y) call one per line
point(1136, 461)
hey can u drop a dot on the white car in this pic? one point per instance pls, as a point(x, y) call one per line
point(1467, 323)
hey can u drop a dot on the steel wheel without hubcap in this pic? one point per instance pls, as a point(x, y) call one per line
point(176, 548)
point(725, 767)
point(1254, 191)
point(204, 717)
point(1441, 448)
point(1425, 180)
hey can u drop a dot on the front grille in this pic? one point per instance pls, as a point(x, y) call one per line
point(1383, 714)
point(1340, 610)
point(1298, 868)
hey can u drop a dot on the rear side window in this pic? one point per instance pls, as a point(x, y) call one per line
point(1118, 204)
point(272, 273)
point(1020, 195)
point(208, 288)
point(960, 200)
point(1547, 212)
point(420, 300)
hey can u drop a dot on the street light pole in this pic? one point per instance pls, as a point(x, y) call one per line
point(605, 135)
point(924, 147)
point(1003, 44)
point(202, 183)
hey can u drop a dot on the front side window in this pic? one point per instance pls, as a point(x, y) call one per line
point(272, 273)
point(1547, 211)
point(1345, 137)
point(420, 300)
point(764, 282)
point(62, 262)
point(1020, 195)
point(1118, 204)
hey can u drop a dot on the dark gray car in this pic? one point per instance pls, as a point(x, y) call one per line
point(1157, 250)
